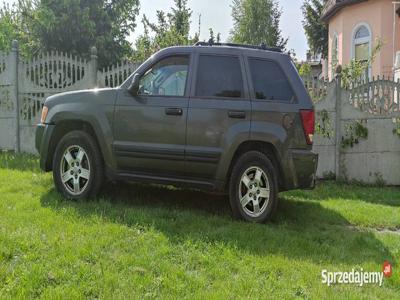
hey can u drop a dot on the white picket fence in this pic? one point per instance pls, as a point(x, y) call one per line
point(24, 85)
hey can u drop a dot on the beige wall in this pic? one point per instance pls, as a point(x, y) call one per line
point(378, 15)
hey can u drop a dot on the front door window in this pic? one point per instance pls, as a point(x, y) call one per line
point(166, 78)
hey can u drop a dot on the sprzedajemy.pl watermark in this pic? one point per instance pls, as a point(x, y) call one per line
point(358, 277)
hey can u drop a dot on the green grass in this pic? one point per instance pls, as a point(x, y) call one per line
point(141, 241)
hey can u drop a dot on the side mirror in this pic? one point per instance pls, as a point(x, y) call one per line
point(134, 87)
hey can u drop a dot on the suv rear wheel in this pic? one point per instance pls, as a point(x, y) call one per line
point(253, 188)
point(77, 166)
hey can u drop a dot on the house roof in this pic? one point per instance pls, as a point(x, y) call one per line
point(333, 6)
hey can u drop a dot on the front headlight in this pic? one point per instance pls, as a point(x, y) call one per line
point(45, 110)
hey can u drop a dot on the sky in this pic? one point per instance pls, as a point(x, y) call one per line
point(217, 15)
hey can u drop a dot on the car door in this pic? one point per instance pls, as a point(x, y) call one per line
point(219, 113)
point(150, 128)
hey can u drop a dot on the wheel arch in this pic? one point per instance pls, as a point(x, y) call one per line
point(61, 129)
point(264, 147)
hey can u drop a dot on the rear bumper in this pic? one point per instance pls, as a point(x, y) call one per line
point(42, 143)
point(303, 167)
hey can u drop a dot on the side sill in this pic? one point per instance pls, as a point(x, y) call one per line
point(148, 178)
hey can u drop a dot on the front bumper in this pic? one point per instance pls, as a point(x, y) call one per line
point(42, 144)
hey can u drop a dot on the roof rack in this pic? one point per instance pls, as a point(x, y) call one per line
point(260, 47)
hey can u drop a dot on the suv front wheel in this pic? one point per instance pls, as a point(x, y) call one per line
point(253, 188)
point(77, 166)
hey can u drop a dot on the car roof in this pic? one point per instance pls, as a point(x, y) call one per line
point(221, 49)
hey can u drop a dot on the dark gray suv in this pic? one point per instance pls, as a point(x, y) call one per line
point(223, 117)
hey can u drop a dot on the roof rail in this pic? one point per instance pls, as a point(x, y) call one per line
point(260, 47)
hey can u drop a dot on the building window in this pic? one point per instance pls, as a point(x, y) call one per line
point(362, 40)
point(362, 46)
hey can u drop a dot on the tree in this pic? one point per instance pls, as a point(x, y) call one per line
point(180, 18)
point(7, 28)
point(212, 38)
point(304, 69)
point(74, 26)
point(256, 22)
point(10, 25)
point(171, 29)
point(316, 30)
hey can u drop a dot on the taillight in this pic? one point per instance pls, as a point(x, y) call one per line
point(307, 118)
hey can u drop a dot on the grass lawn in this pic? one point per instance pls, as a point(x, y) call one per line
point(144, 241)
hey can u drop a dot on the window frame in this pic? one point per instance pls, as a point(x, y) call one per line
point(243, 74)
point(252, 88)
point(360, 41)
point(187, 84)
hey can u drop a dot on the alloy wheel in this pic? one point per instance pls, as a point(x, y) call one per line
point(75, 170)
point(254, 191)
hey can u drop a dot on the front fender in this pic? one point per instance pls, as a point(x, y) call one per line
point(98, 117)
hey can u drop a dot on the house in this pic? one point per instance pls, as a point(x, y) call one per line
point(354, 28)
point(315, 63)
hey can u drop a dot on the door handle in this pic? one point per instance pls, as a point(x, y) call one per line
point(174, 111)
point(237, 114)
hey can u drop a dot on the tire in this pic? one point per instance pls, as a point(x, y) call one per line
point(78, 158)
point(254, 181)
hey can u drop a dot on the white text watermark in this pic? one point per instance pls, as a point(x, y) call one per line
point(357, 277)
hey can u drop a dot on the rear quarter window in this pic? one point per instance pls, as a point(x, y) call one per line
point(269, 81)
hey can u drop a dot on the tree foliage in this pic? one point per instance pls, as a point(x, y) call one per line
point(357, 70)
point(213, 38)
point(256, 22)
point(304, 69)
point(170, 29)
point(74, 26)
point(180, 18)
point(316, 30)
point(7, 28)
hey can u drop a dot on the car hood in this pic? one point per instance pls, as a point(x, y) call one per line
point(96, 96)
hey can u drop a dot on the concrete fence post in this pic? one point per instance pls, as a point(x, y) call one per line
point(93, 67)
point(338, 109)
point(14, 61)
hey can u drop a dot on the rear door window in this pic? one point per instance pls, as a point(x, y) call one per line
point(269, 81)
point(219, 76)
